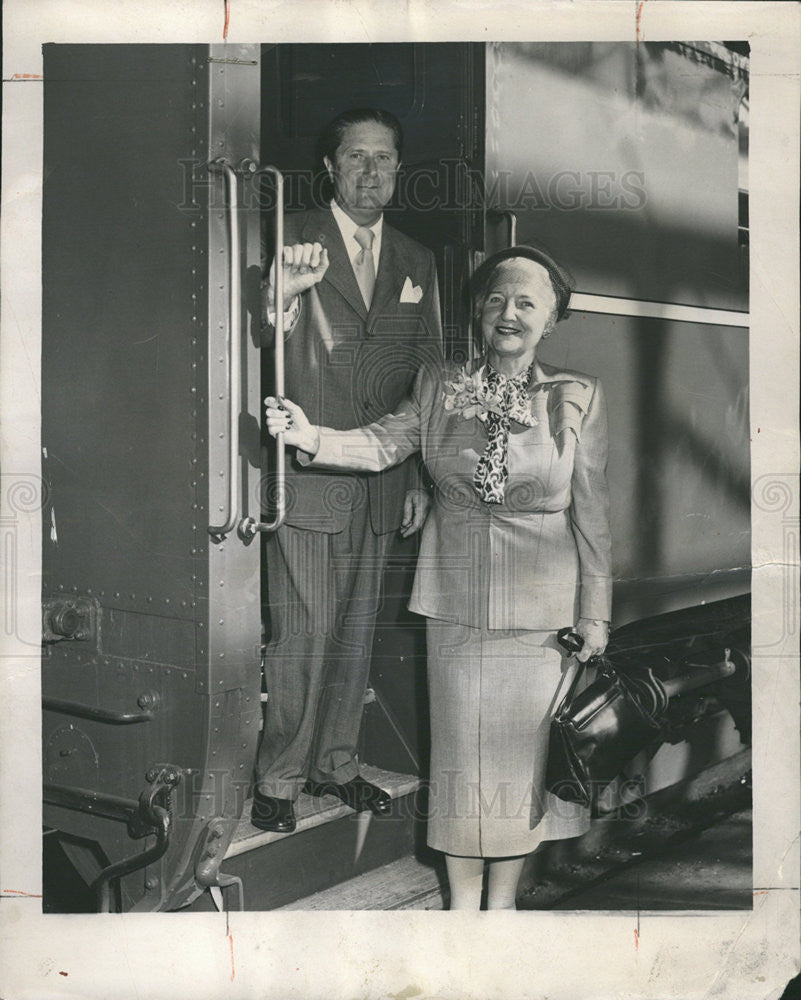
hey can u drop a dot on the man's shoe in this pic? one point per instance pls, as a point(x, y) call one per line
point(356, 793)
point(275, 815)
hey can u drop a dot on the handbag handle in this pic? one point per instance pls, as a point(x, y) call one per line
point(638, 690)
point(570, 640)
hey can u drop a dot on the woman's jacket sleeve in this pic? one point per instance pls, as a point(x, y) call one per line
point(379, 445)
point(589, 511)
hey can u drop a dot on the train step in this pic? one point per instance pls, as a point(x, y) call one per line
point(331, 845)
point(312, 811)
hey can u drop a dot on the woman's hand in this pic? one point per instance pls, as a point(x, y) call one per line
point(304, 264)
point(288, 418)
point(415, 511)
point(595, 634)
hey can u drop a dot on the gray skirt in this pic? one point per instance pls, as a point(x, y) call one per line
point(492, 694)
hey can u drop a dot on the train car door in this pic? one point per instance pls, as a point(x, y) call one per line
point(150, 435)
point(437, 93)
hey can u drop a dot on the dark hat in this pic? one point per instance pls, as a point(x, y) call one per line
point(561, 279)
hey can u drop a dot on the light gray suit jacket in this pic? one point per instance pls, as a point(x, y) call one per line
point(542, 558)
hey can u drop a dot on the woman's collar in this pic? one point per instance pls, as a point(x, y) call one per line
point(542, 373)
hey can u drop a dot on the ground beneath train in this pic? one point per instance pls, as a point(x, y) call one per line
point(691, 856)
point(704, 870)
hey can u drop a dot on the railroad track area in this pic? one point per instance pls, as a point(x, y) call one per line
point(683, 849)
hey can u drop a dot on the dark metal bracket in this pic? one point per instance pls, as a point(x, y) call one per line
point(211, 851)
point(153, 815)
point(71, 619)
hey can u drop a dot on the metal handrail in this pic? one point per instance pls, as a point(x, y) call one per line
point(234, 363)
point(511, 223)
point(510, 218)
point(97, 714)
point(88, 800)
point(248, 526)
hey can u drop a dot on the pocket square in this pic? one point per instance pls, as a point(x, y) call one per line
point(410, 292)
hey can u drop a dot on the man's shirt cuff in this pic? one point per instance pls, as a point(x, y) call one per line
point(290, 315)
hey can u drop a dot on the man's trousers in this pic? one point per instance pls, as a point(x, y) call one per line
point(323, 592)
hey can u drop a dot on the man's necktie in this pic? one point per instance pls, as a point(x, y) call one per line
point(364, 265)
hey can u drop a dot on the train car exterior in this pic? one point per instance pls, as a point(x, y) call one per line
point(156, 466)
point(150, 668)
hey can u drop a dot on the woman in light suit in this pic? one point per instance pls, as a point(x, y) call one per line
point(515, 547)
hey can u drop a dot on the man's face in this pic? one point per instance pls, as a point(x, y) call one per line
point(364, 170)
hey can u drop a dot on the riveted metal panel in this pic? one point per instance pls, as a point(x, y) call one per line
point(124, 392)
point(230, 644)
point(128, 201)
point(228, 625)
point(124, 313)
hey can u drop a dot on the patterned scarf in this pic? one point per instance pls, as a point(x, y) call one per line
point(491, 471)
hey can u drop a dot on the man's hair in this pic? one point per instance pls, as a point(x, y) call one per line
point(332, 135)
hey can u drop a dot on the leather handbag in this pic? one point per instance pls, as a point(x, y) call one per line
point(595, 733)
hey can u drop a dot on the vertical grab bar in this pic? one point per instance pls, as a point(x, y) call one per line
point(234, 352)
point(249, 526)
point(510, 218)
point(511, 222)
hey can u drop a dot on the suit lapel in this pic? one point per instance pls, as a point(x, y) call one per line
point(321, 228)
point(393, 267)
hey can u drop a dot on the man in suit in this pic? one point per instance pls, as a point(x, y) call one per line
point(361, 316)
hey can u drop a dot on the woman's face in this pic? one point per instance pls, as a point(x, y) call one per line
point(518, 309)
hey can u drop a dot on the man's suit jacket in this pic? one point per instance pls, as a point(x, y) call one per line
point(346, 365)
point(539, 560)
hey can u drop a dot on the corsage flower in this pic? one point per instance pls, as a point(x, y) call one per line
point(470, 396)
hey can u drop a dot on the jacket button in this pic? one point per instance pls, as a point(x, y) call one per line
point(367, 406)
